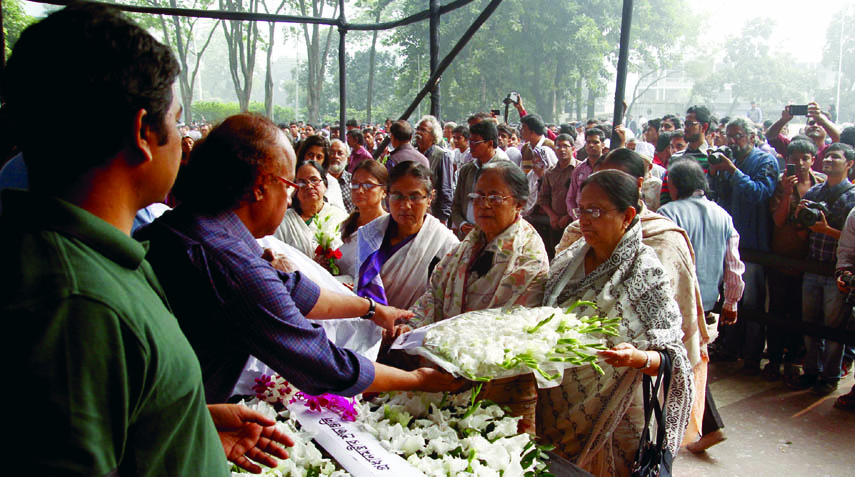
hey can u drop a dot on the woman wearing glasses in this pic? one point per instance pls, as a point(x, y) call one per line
point(501, 262)
point(367, 190)
point(595, 420)
point(397, 251)
point(309, 212)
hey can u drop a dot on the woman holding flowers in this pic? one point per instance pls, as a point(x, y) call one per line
point(311, 225)
point(397, 251)
point(501, 262)
point(592, 419)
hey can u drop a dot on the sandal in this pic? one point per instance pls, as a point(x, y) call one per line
point(771, 372)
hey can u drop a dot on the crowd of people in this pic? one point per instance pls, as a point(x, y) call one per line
point(142, 288)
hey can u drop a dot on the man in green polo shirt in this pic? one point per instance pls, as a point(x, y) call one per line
point(107, 383)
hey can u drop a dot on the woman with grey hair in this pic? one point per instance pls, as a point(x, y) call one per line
point(501, 262)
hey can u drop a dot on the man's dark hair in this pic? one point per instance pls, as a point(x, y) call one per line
point(685, 176)
point(401, 131)
point(592, 122)
point(506, 128)
point(847, 136)
point(654, 123)
point(801, 146)
point(352, 123)
point(663, 141)
point(368, 130)
point(564, 137)
point(677, 133)
point(225, 165)
point(357, 136)
point(463, 130)
point(568, 129)
point(702, 114)
point(535, 123)
point(607, 130)
point(89, 62)
point(487, 130)
point(620, 187)
point(846, 149)
point(674, 120)
point(596, 132)
point(626, 160)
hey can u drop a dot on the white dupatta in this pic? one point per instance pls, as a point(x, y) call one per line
point(294, 231)
point(404, 276)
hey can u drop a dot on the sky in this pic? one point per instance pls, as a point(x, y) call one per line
point(800, 26)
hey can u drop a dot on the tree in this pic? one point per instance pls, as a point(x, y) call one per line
point(755, 71)
point(242, 41)
point(268, 77)
point(316, 61)
point(179, 33)
point(840, 44)
point(15, 20)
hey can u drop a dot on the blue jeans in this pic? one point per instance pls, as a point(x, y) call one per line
point(823, 304)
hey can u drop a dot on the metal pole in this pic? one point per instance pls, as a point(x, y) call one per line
point(623, 59)
point(839, 71)
point(434, 55)
point(443, 65)
point(342, 73)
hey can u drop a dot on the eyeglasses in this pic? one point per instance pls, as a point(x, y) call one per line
point(593, 212)
point(736, 137)
point(492, 199)
point(414, 198)
point(289, 186)
point(690, 124)
point(314, 181)
point(367, 186)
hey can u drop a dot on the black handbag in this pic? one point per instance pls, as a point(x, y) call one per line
point(652, 458)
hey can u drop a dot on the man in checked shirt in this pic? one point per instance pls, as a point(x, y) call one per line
point(822, 302)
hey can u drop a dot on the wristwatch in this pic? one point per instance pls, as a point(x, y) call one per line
point(371, 306)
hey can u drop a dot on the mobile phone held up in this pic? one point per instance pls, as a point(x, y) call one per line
point(797, 109)
point(791, 170)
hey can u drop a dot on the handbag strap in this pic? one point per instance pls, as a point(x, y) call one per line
point(652, 406)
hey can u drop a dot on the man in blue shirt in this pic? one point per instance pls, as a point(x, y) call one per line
point(743, 186)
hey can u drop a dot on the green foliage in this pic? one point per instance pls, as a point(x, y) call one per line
point(15, 20)
point(213, 111)
point(830, 57)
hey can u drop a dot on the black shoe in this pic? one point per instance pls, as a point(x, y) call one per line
point(803, 382)
point(824, 388)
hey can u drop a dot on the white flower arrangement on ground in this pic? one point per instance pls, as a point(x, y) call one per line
point(304, 458)
point(489, 344)
point(452, 435)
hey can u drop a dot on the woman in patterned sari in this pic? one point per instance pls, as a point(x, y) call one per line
point(501, 262)
point(596, 420)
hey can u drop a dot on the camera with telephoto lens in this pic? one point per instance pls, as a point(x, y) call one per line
point(715, 156)
point(512, 98)
point(812, 213)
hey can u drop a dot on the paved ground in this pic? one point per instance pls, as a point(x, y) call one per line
point(773, 430)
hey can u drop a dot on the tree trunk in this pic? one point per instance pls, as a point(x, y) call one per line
point(371, 62)
point(578, 99)
point(268, 78)
point(592, 98)
point(316, 61)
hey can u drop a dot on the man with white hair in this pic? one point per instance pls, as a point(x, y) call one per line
point(428, 136)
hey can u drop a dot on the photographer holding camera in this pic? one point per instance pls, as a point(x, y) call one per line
point(818, 126)
point(743, 185)
point(824, 210)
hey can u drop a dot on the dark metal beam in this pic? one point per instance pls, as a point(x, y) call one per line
point(342, 72)
point(623, 60)
point(444, 64)
point(434, 55)
point(424, 15)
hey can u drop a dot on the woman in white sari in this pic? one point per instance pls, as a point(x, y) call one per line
point(397, 251)
point(595, 420)
point(309, 213)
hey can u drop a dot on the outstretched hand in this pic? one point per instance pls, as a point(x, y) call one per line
point(386, 317)
point(248, 436)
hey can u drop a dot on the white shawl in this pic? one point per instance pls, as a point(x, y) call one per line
point(405, 274)
point(294, 231)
